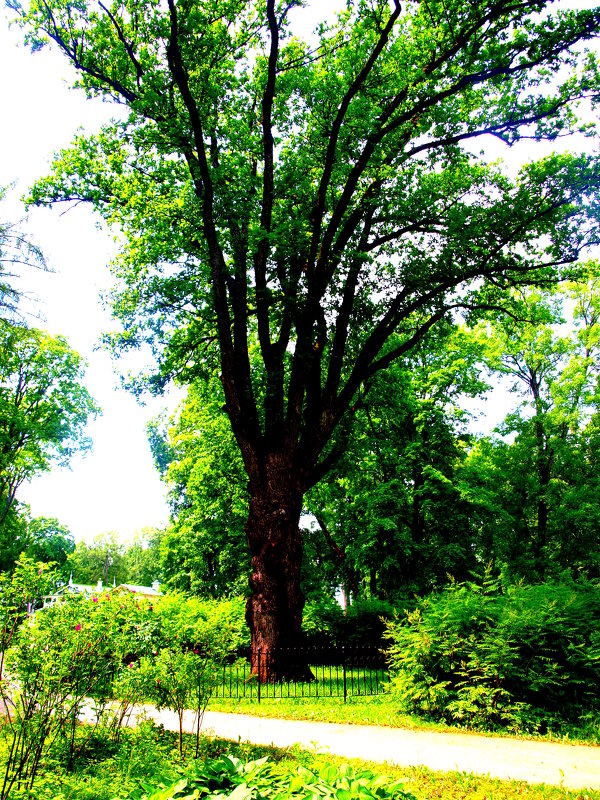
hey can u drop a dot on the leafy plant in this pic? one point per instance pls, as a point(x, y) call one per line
point(523, 658)
point(18, 594)
point(229, 777)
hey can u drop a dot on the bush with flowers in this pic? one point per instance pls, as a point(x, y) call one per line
point(18, 593)
point(61, 661)
point(100, 656)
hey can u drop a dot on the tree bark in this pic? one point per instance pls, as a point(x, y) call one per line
point(274, 608)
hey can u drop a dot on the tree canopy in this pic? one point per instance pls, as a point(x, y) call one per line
point(299, 214)
point(43, 406)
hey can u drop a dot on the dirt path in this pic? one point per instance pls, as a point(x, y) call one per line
point(574, 767)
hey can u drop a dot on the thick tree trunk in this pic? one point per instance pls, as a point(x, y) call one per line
point(274, 608)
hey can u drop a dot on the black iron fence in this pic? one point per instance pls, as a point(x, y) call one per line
point(307, 672)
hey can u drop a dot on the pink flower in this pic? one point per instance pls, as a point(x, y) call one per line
point(40, 571)
point(94, 599)
point(78, 626)
point(131, 664)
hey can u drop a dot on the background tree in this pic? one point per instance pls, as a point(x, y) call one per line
point(391, 510)
point(204, 550)
point(13, 537)
point(535, 486)
point(16, 252)
point(43, 406)
point(103, 559)
point(142, 557)
point(316, 203)
point(48, 541)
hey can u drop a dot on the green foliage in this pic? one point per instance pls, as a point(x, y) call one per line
point(112, 644)
point(204, 551)
point(145, 760)
point(229, 777)
point(49, 541)
point(103, 559)
point(43, 406)
point(393, 521)
point(142, 557)
point(360, 625)
point(39, 538)
point(191, 620)
point(70, 653)
point(195, 637)
point(524, 659)
point(533, 487)
point(13, 536)
point(19, 593)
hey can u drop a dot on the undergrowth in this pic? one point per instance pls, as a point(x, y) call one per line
point(146, 765)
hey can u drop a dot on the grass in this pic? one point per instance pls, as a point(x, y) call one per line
point(106, 771)
point(322, 700)
point(376, 710)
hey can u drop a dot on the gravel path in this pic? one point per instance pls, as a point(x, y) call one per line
point(572, 766)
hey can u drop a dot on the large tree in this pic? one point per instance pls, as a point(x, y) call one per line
point(302, 213)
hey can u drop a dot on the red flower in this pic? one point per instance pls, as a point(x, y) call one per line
point(78, 626)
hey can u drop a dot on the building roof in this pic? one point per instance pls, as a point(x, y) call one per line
point(83, 588)
point(149, 591)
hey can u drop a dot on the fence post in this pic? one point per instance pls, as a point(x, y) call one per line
point(259, 675)
point(344, 669)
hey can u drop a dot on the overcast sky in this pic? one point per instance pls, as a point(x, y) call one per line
point(116, 486)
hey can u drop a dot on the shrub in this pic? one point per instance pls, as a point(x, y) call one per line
point(519, 658)
point(18, 593)
point(67, 654)
point(106, 646)
point(362, 624)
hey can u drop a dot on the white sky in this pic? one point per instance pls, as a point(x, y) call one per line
point(116, 486)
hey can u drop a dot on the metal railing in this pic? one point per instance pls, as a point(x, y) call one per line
point(333, 672)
